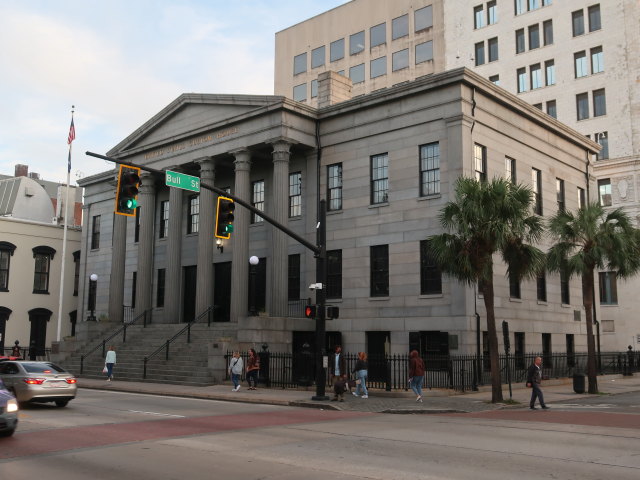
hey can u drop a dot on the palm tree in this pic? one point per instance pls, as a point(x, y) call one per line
point(589, 239)
point(483, 220)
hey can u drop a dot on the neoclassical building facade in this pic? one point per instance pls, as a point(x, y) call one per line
point(385, 162)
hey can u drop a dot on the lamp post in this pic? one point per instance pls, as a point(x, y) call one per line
point(253, 261)
point(93, 283)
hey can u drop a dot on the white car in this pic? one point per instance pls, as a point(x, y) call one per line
point(38, 382)
point(8, 412)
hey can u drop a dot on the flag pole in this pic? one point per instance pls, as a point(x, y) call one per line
point(72, 136)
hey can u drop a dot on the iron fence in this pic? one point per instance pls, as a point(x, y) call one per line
point(456, 372)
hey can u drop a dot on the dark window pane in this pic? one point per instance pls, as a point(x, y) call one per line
point(379, 271)
point(430, 275)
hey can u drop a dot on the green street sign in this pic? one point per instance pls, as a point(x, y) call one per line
point(180, 180)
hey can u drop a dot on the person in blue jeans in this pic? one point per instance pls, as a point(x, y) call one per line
point(235, 369)
point(361, 370)
point(416, 374)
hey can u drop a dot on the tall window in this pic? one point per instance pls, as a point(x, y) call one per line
point(95, 232)
point(400, 60)
point(136, 233)
point(520, 46)
point(510, 169)
point(356, 43)
point(541, 287)
point(300, 63)
point(564, 287)
point(378, 35)
point(480, 162)
point(536, 76)
point(514, 286)
point(257, 200)
point(547, 360)
point(547, 32)
point(480, 53)
point(336, 50)
point(522, 80)
point(603, 139)
point(534, 36)
point(580, 61)
point(295, 194)
point(536, 186)
point(400, 27)
point(430, 275)
point(492, 12)
point(594, 18)
point(493, 49)
point(424, 52)
point(520, 6)
point(560, 194)
point(604, 192)
point(597, 60)
point(550, 72)
point(378, 67)
point(193, 214)
point(164, 219)
point(76, 272)
point(334, 187)
point(599, 103)
point(379, 270)
point(581, 198)
point(356, 73)
point(334, 273)
point(478, 17)
point(42, 256)
point(552, 109)
point(577, 20)
point(134, 286)
point(160, 288)
point(6, 252)
point(608, 288)
point(430, 169)
point(294, 277)
point(317, 57)
point(582, 105)
point(424, 18)
point(300, 92)
point(380, 178)
point(314, 88)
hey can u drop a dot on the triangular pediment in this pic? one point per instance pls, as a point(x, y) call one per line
point(191, 114)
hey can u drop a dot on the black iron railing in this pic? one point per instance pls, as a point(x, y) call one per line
point(26, 353)
point(145, 317)
point(456, 372)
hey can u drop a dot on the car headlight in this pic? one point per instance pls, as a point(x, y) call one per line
point(12, 406)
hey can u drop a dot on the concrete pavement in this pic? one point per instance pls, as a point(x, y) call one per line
point(435, 401)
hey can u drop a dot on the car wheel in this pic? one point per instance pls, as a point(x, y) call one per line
point(7, 433)
point(62, 403)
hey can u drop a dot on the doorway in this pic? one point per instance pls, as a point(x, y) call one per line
point(222, 291)
point(378, 344)
point(189, 299)
point(38, 337)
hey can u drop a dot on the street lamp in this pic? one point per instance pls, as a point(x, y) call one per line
point(93, 283)
point(220, 246)
point(253, 261)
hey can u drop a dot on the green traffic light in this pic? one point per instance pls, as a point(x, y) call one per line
point(228, 228)
point(131, 203)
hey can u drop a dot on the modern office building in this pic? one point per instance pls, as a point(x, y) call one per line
point(575, 60)
point(385, 162)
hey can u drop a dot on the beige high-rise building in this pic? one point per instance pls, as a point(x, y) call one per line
point(576, 60)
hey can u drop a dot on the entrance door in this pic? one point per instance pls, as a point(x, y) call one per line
point(258, 287)
point(377, 347)
point(38, 338)
point(189, 299)
point(222, 291)
point(4, 316)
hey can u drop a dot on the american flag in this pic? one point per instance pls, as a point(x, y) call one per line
point(72, 133)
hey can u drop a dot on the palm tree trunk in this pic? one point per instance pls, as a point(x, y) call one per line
point(587, 301)
point(496, 380)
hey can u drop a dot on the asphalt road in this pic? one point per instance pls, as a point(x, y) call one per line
point(112, 435)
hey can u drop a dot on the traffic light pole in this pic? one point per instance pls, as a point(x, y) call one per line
point(319, 250)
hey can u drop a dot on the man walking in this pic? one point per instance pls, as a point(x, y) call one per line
point(534, 378)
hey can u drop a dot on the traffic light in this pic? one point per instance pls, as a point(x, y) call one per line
point(127, 191)
point(332, 312)
point(224, 217)
point(310, 311)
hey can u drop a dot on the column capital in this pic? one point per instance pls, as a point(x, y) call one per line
point(242, 160)
point(207, 167)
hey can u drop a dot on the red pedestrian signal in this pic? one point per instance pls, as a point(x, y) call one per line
point(310, 311)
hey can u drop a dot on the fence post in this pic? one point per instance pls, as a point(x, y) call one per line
point(474, 377)
point(124, 334)
point(81, 363)
point(167, 349)
point(189, 333)
point(388, 361)
point(144, 372)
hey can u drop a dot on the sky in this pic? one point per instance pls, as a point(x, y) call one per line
point(119, 63)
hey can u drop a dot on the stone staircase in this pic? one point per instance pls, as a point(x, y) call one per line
point(188, 363)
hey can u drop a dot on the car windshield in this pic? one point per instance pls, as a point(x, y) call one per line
point(42, 368)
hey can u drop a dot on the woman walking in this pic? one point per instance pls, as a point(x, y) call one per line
point(253, 366)
point(360, 370)
point(110, 361)
point(235, 370)
point(416, 374)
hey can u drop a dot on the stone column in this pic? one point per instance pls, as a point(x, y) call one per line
point(116, 281)
point(145, 275)
point(173, 278)
point(240, 238)
point(279, 306)
point(204, 286)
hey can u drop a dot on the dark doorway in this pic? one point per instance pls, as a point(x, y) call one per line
point(547, 361)
point(377, 347)
point(303, 348)
point(38, 338)
point(222, 291)
point(189, 300)
point(518, 351)
point(4, 316)
point(258, 286)
point(73, 317)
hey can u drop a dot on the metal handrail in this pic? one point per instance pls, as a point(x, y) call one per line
point(208, 313)
point(122, 329)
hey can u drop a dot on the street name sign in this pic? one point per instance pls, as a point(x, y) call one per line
point(180, 180)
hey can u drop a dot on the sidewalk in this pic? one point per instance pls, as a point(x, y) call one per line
point(435, 401)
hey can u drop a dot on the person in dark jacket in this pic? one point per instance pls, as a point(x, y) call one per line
point(534, 379)
point(253, 367)
point(337, 365)
point(361, 370)
point(416, 374)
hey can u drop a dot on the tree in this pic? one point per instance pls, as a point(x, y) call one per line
point(589, 239)
point(483, 220)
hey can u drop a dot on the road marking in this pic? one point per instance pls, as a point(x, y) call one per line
point(157, 414)
point(578, 405)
